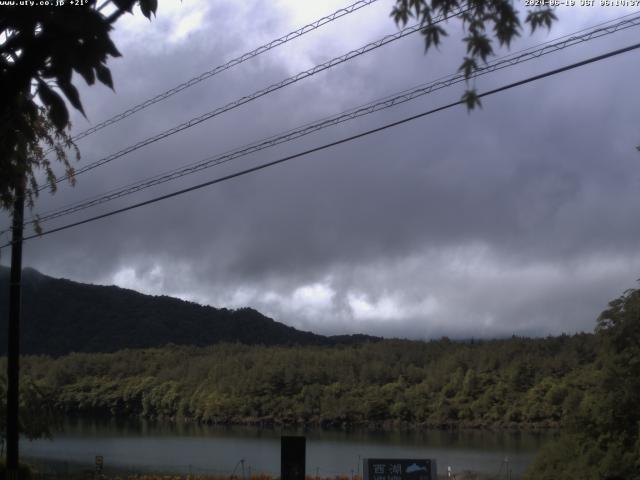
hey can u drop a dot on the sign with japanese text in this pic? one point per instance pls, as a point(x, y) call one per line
point(399, 469)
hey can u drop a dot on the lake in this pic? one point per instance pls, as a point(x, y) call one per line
point(143, 446)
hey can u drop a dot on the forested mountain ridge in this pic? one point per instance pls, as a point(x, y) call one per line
point(60, 316)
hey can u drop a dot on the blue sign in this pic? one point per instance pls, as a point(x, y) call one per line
point(399, 469)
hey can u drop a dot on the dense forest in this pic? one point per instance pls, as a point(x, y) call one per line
point(500, 383)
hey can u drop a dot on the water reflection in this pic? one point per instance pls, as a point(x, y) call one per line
point(140, 445)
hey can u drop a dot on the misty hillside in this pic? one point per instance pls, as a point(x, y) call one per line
point(60, 316)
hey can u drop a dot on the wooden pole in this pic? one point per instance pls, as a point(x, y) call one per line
point(13, 350)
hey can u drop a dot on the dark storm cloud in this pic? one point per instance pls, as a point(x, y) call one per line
point(516, 218)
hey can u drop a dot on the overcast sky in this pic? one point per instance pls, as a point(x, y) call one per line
point(519, 218)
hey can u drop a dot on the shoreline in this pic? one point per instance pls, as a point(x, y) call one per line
point(386, 426)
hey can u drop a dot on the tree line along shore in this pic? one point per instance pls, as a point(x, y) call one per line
point(509, 383)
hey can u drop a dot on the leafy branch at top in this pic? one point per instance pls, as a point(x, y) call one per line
point(40, 50)
point(484, 23)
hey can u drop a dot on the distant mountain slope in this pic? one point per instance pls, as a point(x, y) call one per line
point(60, 316)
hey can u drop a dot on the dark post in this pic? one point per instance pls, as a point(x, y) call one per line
point(292, 458)
point(13, 350)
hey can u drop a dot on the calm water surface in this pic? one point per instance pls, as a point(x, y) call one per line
point(186, 448)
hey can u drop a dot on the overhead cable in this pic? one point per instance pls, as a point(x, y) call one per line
point(260, 93)
point(226, 66)
point(332, 144)
point(381, 104)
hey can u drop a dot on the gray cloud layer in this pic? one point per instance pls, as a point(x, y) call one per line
point(517, 218)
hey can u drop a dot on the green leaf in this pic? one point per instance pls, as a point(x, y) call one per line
point(148, 7)
point(86, 71)
point(541, 18)
point(549, 19)
point(471, 99)
point(108, 46)
point(57, 109)
point(479, 45)
point(432, 34)
point(72, 95)
point(104, 75)
point(468, 66)
point(401, 17)
point(126, 5)
point(507, 24)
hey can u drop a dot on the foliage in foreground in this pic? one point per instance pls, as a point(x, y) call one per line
point(485, 23)
point(602, 434)
point(43, 47)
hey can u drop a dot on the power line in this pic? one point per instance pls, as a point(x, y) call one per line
point(378, 105)
point(221, 68)
point(260, 93)
point(337, 142)
point(230, 64)
point(407, 95)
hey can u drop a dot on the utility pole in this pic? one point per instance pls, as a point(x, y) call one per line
point(13, 350)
